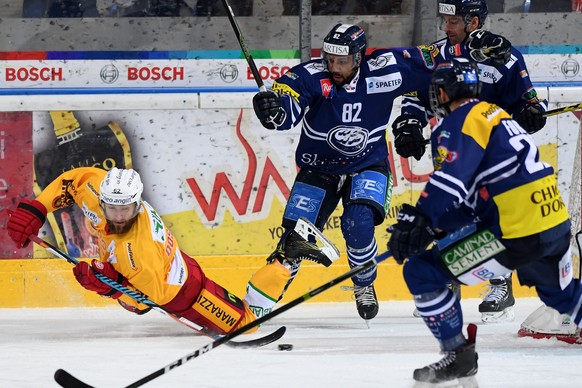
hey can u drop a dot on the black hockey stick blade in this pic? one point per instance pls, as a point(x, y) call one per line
point(206, 348)
point(143, 299)
point(258, 342)
point(65, 379)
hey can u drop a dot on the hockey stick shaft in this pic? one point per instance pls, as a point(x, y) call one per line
point(243, 46)
point(133, 294)
point(565, 109)
point(206, 348)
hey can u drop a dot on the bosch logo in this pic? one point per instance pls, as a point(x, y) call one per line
point(348, 140)
point(570, 68)
point(267, 72)
point(229, 73)
point(34, 74)
point(155, 73)
point(109, 74)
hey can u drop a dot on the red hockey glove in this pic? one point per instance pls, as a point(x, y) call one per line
point(85, 275)
point(27, 219)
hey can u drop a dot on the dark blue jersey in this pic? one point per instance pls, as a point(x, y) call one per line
point(487, 168)
point(508, 86)
point(344, 128)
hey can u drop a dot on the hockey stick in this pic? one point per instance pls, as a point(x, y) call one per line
point(243, 46)
point(267, 339)
point(66, 380)
point(565, 109)
point(552, 112)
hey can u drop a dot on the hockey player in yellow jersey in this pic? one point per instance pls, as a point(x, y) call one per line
point(138, 250)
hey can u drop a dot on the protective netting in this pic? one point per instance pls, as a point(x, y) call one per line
point(574, 203)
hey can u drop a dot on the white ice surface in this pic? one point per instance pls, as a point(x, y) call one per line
point(332, 348)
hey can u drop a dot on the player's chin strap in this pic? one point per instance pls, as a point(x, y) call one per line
point(309, 232)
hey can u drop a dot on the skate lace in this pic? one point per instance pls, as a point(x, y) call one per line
point(494, 293)
point(447, 360)
point(364, 295)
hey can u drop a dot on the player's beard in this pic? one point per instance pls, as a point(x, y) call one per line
point(120, 227)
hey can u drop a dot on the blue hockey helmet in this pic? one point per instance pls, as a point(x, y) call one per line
point(465, 8)
point(459, 78)
point(345, 39)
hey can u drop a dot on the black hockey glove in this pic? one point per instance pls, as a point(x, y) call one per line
point(410, 235)
point(268, 108)
point(484, 45)
point(531, 117)
point(408, 139)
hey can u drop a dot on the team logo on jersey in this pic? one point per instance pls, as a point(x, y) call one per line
point(327, 88)
point(429, 53)
point(443, 155)
point(348, 140)
point(382, 61)
point(383, 84)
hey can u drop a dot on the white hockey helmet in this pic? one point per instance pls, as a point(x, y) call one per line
point(121, 187)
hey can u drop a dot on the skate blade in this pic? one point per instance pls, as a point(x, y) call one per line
point(462, 382)
point(416, 314)
point(368, 323)
point(507, 315)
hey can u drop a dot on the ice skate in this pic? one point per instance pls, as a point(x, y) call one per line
point(497, 305)
point(366, 302)
point(454, 366)
point(546, 323)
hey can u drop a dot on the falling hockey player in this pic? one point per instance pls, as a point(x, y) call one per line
point(487, 175)
point(507, 85)
point(137, 250)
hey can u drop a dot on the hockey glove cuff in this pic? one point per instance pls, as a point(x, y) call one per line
point(269, 110)
point(411, 234)
point(85, 275)
point(531, 117)
point(27, 219)
point(408, 139)
point(485, 45)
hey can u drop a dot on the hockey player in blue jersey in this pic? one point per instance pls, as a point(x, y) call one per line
point(343, 103)
point(505, 81)
point(487, 175)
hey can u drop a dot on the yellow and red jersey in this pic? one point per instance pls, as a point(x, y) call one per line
point(147, 255)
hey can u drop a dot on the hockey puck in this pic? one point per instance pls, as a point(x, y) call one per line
point(287, 347)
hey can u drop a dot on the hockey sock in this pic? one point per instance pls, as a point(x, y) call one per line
point(441, 311)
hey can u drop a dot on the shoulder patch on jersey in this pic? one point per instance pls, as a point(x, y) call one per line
point(315, 67)
point(156, 223)
point(285, 89)
point(489, 74)
point(91, 215)
point(480, 122)
point(381, 61)
point(384, 83)
point(429, 53)
point(443, 155)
